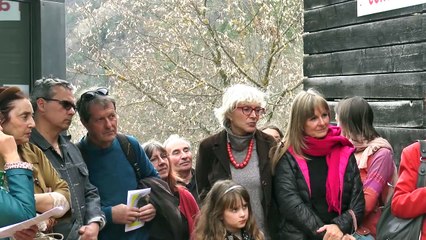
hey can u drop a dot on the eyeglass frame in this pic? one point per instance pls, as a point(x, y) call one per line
point(258, 111)
point(67, 105)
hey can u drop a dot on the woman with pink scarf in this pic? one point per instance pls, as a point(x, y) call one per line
point(316, 182)
point(374, 156)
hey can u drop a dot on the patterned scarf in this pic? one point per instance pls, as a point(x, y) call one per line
point(368, 149)
point(244, 236)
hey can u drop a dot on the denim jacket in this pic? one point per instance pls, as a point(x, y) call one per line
point(85, 201)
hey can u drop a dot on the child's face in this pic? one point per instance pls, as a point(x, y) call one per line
point(236, 218)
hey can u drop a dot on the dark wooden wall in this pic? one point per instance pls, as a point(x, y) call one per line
point(381, 57)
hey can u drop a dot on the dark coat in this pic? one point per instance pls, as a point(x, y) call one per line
point(297, 220)
point(167, 223)
point(213, 164)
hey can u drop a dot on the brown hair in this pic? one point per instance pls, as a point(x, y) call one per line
point(274, 128)
point(7, 96)
point(356, 119)
point(149, 148)
point(224, 194)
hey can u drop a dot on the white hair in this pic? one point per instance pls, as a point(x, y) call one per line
point(238, 93)
point(175, 138)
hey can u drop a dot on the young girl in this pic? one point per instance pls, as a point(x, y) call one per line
point(227, 214)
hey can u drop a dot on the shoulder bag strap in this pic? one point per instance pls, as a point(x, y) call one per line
point(129, 151)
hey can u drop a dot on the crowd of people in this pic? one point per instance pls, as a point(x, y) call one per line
point(315, 180)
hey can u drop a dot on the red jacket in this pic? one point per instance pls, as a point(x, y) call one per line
point(408, 201)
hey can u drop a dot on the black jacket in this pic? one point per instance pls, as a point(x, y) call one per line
point(213, 164)
point(167, 223)
point(291, 193)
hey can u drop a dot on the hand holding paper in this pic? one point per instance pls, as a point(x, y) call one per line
point(8, 231)
point(136, 199)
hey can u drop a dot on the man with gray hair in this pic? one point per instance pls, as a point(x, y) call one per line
point(54, 107)
point(180, 155)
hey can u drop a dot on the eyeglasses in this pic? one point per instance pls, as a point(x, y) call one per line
point(89, 95)
point(67, 105)
point(246, 110)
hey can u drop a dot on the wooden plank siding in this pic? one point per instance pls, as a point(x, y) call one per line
point(400, 138)
point(401, 86)
point(381, 57)
point(399, 114)
point(311, 4)
point(395, 31)
point(344, 14)
point(396, 58)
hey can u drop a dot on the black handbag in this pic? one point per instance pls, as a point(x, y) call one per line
point(390, 227)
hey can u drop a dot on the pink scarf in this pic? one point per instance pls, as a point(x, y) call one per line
point(337, 150)
point(368, 149)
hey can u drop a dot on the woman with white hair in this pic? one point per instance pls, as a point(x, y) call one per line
point(240, 151)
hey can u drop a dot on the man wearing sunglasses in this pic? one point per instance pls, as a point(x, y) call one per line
point(109, 168)
point(54, 108)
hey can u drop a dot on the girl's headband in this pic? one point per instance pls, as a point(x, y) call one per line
point(232, 188)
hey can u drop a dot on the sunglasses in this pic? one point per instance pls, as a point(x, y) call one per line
point(89, 95)
point(67, 105)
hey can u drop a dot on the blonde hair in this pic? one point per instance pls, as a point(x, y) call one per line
point(224, 194)
point(303, 107)
point(239, 93)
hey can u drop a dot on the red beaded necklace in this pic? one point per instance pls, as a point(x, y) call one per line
point(246, 159)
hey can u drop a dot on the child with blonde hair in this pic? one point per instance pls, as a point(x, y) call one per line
point(227, 214)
